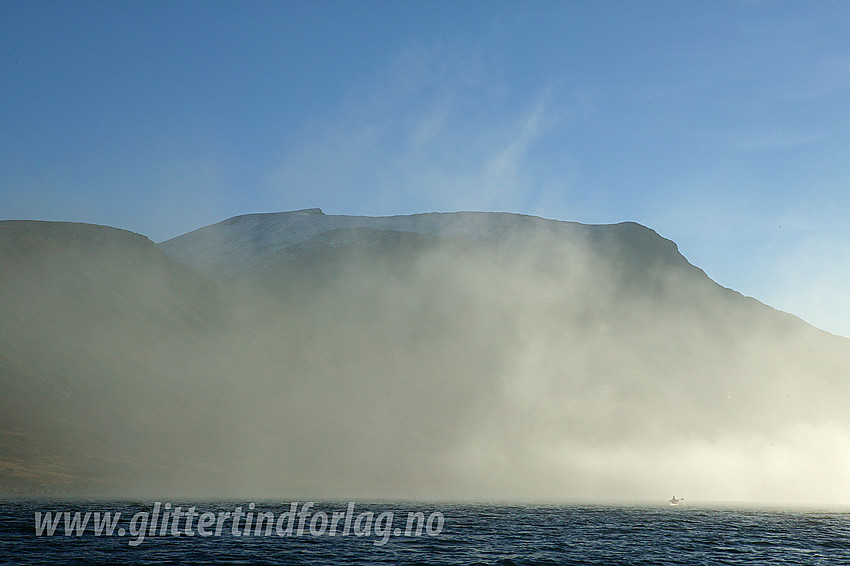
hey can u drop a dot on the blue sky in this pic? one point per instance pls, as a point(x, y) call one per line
point(724, 126)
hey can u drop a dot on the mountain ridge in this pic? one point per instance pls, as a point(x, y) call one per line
point(543, 360)
point(207, 248)
point(268, 234)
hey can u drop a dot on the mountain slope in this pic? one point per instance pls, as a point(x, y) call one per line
point(462, 355)
point(126, 373)
point(585, 343)
point(88, 315)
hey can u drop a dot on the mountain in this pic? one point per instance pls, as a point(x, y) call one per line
point(89, 316)
point(451, 355)
point(127, 373)
point(233, 246)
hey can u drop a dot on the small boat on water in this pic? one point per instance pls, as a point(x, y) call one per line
point(674, 501)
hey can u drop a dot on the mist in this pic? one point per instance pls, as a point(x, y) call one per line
point(513, 359)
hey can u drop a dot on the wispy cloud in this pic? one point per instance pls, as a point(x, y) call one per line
point(420, 139)
point(759, 139)
point(777, 139)
point(829, 76)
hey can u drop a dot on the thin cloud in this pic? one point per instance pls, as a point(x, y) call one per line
point(829, 76)
point(762, 139)
point(772, 140)
point(413, 143)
